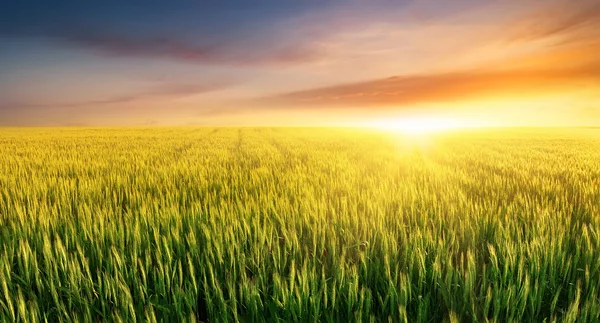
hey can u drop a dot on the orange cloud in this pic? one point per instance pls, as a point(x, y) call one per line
point(561, 46)
point(458, 86)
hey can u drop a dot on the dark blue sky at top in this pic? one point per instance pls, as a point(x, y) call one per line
point(225, 20)
point(148, 18)
point(25, 16)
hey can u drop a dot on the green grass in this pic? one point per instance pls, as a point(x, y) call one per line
point(286, 225)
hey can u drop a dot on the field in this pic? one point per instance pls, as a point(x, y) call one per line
point(284, 224)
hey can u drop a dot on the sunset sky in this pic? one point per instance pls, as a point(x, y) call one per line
point(309, 62)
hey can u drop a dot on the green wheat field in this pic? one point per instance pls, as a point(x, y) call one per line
point(299, 224)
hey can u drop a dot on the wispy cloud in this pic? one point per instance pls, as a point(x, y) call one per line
point(162, 92)
point(262, 51)
point(448, 87)
point(195, 52)
point(569, 20)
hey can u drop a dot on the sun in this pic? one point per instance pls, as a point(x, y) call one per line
point(419, 124)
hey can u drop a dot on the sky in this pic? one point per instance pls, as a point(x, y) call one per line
point(299, 62)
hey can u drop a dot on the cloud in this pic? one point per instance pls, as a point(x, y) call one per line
point(572, 21)
point(196, 32)
point(172, 48)
point(528, 68)
point(162, 92)
point(447, 87)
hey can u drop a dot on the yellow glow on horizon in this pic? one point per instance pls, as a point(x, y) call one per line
point(421, 124)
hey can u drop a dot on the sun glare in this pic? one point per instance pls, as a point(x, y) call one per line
point(419, 124)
